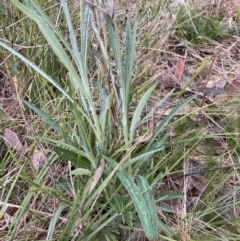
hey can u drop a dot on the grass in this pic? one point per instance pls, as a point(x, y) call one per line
point(112, 115)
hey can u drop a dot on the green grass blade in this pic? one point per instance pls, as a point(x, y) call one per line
point(129, 59)
point(106, 60)
point(119, 204)
point(160, 103)
point(12, 188)
point(71, 31)
point(81, 171)
point(143, 155)
point(149, 200)
point(81, 62)
point(166, 120)
point(73, 217)
point(25, 202)
point(115, 44)
point(164, 228)
point(50, 121)
point(73, 157)
point(79, 83)
point(53, 41)
point(32, 5)
point(110, 218)
point(85, 18)
point(105, 113)
point(105, 117)
point(53, 223)
point(138, 201)
point(139, 109)
point(37, 69)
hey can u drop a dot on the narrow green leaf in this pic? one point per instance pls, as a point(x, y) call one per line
point(10, 191)
point(115, 44)
point(73, 157)
point(50, 121)
point(168, 196)
point(85, 18)
point(138, 201)
point(80, 62)
point(66, 185)
point(129, 57)
point(166, 120)
point(71, 31)
point(102, 91)
point(159, 103)
point(216, 206)
point(127, 217)
point(198, 71)
point(72, 218)
point(37, 10)
point(165, 229)
point(30, 181)
point(53, 223)
point(139, 109)
point(43, 23)
point(81, 171)
point(37, 69)
point(118, 204)
point(151, 205)
point(26, 200)
point(105, 58)
point(105, 109)
point(144, 154)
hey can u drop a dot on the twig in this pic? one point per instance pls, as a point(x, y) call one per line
point(210, 170)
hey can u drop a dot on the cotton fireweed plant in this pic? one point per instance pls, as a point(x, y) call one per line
point(110, 158)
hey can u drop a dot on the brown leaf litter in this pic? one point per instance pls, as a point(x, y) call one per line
point(11, 139)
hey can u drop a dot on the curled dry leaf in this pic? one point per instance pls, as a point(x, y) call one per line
point(179, 68)
point(11, 139)
point(96, 176)
point(38, 159)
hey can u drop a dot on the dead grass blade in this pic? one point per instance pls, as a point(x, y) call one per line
point(97, 175)
point(11, 139)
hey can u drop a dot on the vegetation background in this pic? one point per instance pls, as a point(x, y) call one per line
point(119, 120)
